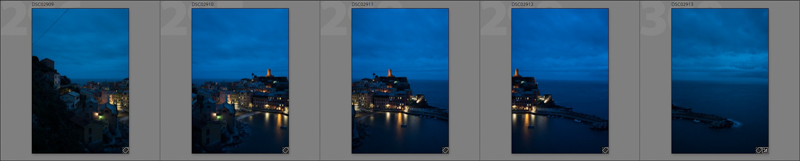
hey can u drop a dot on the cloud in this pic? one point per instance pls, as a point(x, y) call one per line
point(560, 43)
point(720, 44)
point(233, 43)
point(412, 42)
point(84, 43)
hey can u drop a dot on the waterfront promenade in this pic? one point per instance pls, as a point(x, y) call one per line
point(423, 113)
point(596, 123)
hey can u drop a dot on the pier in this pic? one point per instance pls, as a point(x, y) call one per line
point(437, 115)
point(596, 123)
point(363, 136)
point(424, 113)
point(714, 121)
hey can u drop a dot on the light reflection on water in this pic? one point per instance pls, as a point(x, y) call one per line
point(421, 135)
point(562, 135)
point(554, 135)
point(266, 135)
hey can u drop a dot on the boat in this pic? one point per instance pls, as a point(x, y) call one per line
point(696, 121)
point(284, 127)
point(576, 120)
point(404, 125)
point(530, 126)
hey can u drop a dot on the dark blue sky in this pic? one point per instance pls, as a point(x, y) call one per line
point(720, 44)
point(560, 44)
point(412, 42)
point(84, 43)
point(233, 43)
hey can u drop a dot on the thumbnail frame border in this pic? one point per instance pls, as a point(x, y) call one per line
point(608, 71)
point(769, 76)
point(288, 59)
point(129, 72)
point(449, 45)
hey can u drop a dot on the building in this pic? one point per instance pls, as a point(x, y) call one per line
point(194, 100)
point(274, 95)
point(48, 63)
point(51, 75)
point(92, 97)
point(54, 77)
point(270, 81)
point(240, 99)
point(524, 92)
point(361, 99)
point(125, 83)
point(89, 105)
point(206, 133)
point(381, 92)
point(207, 124)
point(120, 99)
point(227, 115)
point(71, 99)
point(92, 130)
point(207, 108)
point(105, 96)
point(109, 116)
point(270, 101)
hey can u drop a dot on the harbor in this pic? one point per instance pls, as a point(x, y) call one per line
point(397, 132)
point(423, 113)
point(387, 117)
point(526, 98)
point(250, 115)
point(540, 125)
point(554, 135)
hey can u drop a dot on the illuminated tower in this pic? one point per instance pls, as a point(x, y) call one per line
point(269, 72)
point(516, 73)
point(390, 73)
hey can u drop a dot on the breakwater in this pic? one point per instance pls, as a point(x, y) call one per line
point(714, 121)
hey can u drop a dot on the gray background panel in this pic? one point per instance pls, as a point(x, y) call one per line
point(164, 133)
point(144, 97)
point(623, 82)
point(656, 134)
point(176, 76)
point(336, 71)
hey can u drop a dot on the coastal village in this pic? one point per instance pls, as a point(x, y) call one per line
point(217, 108)
point(526, 98)
point(386, 94)
point(95, 113)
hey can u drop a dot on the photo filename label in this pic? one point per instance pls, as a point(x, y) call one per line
point(559, 80)
point(400, 81)
point(80, 80)
point(240, 80)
